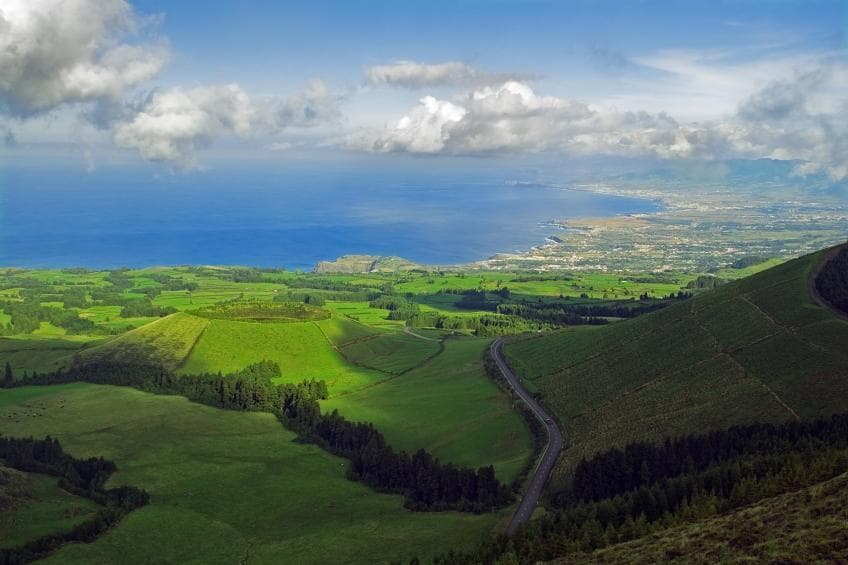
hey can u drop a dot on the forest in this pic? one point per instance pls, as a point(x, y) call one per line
point(832, 281)
point(623, 494)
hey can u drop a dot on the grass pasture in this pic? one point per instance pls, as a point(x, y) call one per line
point(225, 486)
point(301, 349)
point(758, 349)
point(447, 406)
point(392, 353)
point(360, 312)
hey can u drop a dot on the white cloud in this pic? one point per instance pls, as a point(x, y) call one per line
point(54, 52)
point(802, 118)
point(797, 119)
point(701, 85)
point(280, 146)
point(416, 75)
point(512, 117)
point(425, 129)
point(172, 123)
point(412, 74)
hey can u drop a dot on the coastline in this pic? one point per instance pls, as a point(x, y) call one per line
point(698, 227)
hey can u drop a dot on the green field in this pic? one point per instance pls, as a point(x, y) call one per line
point(393, 353)
point(225, 486)
point(595, 285)
point(758, 349)
point(301, 349)
point(447, 406)
point(28, 354)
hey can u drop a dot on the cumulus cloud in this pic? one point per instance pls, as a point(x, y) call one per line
point(92, 52)
point(799, 119)
point(172, 123)
point(512, 117)
point(54, 52)
point(426, 129)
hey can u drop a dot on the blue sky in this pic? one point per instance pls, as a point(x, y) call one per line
point(181, 83)
point(268, 43)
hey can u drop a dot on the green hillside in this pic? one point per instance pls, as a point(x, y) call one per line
point(301, 349)
point(758, 349)
point(804, 526)
point(167, 341)
point(225, 486)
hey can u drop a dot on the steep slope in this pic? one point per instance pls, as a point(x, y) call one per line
point(807, 526)
point(167, 341)
point(759, 349)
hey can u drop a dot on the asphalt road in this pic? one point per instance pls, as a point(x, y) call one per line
point(549, 454)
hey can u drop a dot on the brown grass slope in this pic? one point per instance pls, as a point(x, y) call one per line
point(756, 350)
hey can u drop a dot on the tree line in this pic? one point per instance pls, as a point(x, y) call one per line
point(424, 481)
point(624, 494)
point(639, 464)
point(82, 477)
point(832, 281)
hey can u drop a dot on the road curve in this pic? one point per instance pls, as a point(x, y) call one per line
point(552, 448)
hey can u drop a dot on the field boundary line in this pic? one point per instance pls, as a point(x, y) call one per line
point(197, 339)
point(746, 373)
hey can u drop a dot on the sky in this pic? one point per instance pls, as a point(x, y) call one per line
point(185, 85)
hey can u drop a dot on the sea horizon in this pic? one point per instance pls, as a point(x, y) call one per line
point(288, 220)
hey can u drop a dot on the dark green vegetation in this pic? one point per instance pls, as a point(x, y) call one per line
point(803, 526)
point(82, 477)
point(755, 350)
point(626, 494)
point(831, 282)
point(279, 312)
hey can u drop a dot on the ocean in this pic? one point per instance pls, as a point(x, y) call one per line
point(289, 219)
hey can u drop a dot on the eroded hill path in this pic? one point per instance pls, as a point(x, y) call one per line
point(552, 448)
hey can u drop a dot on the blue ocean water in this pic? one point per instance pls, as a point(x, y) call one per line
point(277, 219)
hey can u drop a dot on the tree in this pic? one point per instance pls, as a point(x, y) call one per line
point(8, 376)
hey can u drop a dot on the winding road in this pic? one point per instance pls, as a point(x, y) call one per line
point(552, 448)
